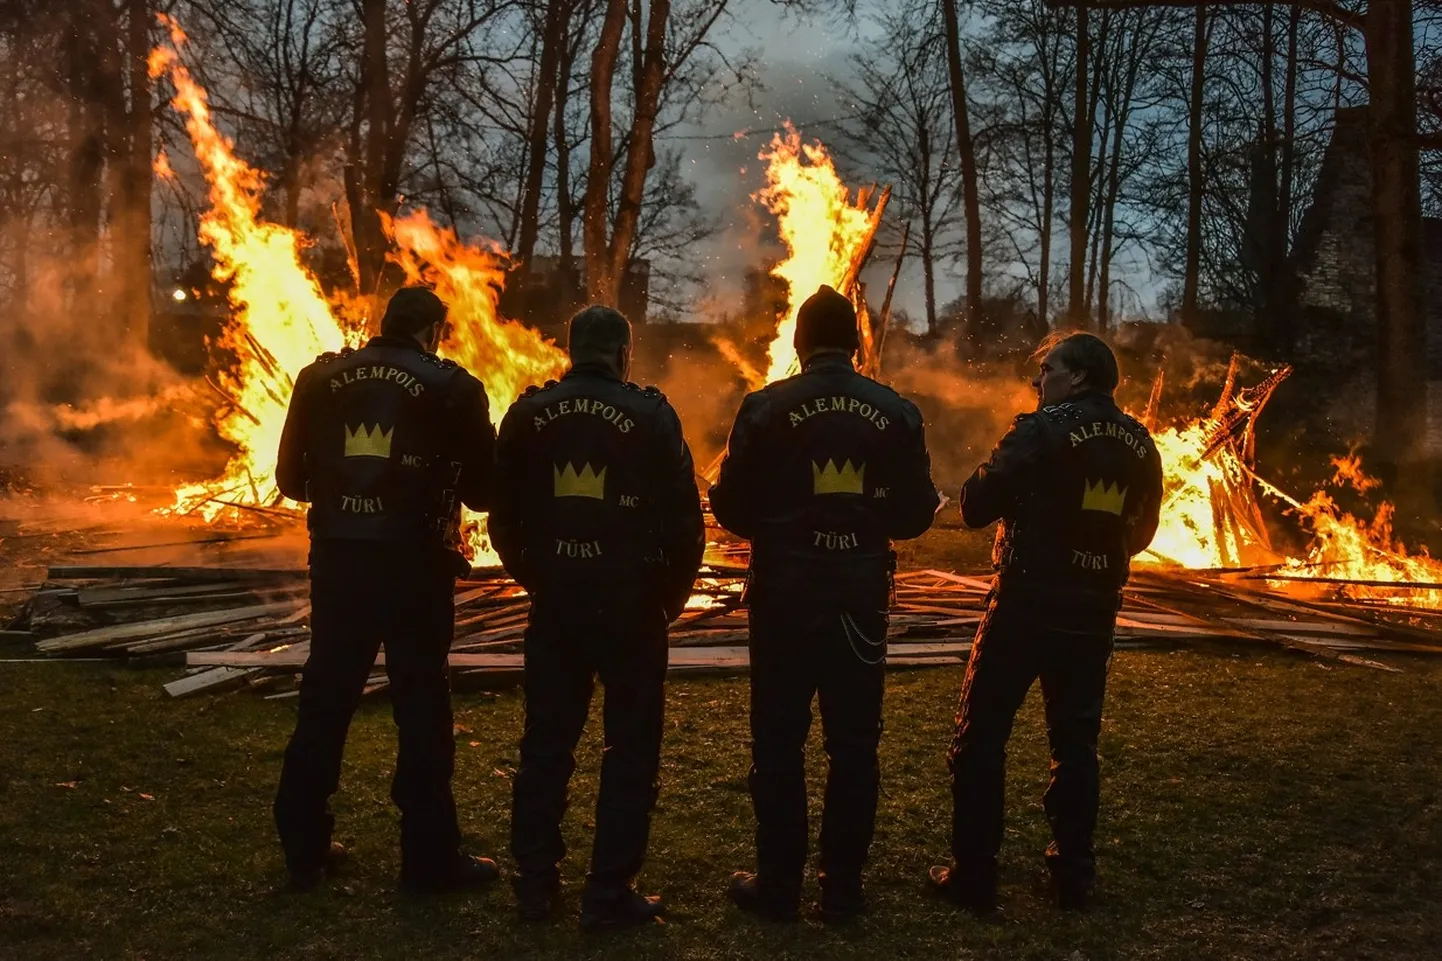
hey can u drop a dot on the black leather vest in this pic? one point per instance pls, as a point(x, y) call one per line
point(380, 459)
point(832, 436)
point(1073, 532)
point(590, 513)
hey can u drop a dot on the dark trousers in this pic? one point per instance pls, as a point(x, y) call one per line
point(364, 596)
point(1023, 638)
point(570, 641)
point(835, 651)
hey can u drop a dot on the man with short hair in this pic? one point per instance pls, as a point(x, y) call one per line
point(598, 517)
point(385, 443)
point(822, 471)
point(1077, 487)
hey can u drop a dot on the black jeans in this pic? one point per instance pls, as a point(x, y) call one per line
point(834, 649)
point(1024, 637)
point(363, 596)
point(570, 641)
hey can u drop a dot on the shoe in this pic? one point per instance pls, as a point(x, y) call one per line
point(841, 904)
point(605, 911)
point(750, 896)
point(975, 896)
point(536, 897)
point(465, 872)
point(308, 878)
point(1071, 895)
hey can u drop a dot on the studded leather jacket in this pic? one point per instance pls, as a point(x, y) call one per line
point(1077, 488)
point(596, 490)
point(386, 443)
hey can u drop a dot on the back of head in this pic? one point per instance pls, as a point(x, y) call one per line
point(1088, 355)
point(597, 334)
point(826, 321)
point(411, 310)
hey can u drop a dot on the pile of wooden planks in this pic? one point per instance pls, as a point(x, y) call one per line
point(237, 626)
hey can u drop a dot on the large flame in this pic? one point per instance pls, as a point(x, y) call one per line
point(507, 356)
point(281, 320)
point(826, 233)
point(1211, 517)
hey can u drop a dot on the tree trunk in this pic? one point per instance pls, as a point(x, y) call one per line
point(1202, 36)
point(565, 209)
point(553, 38)
point(1402, 373)
point(1282, 302)
point(971, 194)
point(1080, 178)
point(600, 283)
point(1048, 202)
point(1268, 239)
point(640, 149)
point(132, 249)
point(928, 272)
point(85, 131)
point(375, 97)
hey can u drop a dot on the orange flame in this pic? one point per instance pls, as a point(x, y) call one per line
point(1211, 519)
point(281, 320)
point(825, 232)
point(505, 355)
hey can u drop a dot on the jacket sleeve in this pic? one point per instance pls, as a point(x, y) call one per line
point(912, 500)
point(683, 531)
point(1144, 524)
point(508, 504)
point(736, 497)
point(997, 487)
point(290, 470)
point(476, 440)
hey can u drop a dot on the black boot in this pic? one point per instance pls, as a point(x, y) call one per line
point(975, 892)
point(764, 901)
point(1071, 890)
point(463, 872)
point(603, 908)
point(307, 877)
point(842, 902)
point(536, 895)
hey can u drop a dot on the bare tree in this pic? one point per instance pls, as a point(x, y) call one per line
point(903, 134)
point(966, 149)
point(1387, 30)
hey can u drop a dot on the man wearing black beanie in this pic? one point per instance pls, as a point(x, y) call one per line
point(822, 471)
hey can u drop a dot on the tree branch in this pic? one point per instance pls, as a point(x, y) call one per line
point(1327, 8)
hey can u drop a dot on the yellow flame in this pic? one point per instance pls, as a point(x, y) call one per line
point(506, 356)
point(1204, 525)
point(824, 230)
point(281, 319)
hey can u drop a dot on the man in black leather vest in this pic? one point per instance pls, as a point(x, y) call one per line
point(822, 471)
point(1077, 487)
point(385, 443)
point(598, 517)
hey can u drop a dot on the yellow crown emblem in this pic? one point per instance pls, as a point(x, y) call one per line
point(587, 483)
point(368, 441)
point(829, 480)
point(1100, 498)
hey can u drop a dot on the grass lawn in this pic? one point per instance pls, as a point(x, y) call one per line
point(1257, 805)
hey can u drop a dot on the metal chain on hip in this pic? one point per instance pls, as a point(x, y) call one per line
point(875, 649)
